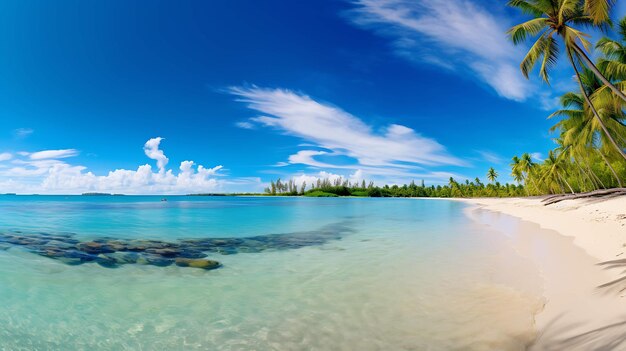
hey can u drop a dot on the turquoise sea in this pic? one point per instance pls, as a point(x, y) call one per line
point(295, 274)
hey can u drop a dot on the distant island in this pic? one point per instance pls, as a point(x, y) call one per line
point(100, 194)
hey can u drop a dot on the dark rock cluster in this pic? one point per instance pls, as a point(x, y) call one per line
point(113, 252)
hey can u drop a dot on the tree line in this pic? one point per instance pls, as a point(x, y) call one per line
point(344, 187)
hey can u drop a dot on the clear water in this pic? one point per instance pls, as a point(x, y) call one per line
point(411, 275)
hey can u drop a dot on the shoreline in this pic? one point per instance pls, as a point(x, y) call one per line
point(567, 242)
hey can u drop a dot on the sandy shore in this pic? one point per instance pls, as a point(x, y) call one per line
point(569, 242)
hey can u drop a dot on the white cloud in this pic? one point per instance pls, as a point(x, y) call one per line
point(456, 35)
point(53, 154)
point(245, 125)
point(491, 157)
point(151, 148)
point(23, 132)
point(45, 175)
point(342, 134)
point(5, 156)
point(537, 156)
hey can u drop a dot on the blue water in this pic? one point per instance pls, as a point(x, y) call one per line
point(407, 275)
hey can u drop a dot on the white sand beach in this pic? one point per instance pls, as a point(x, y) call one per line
point(571, 243)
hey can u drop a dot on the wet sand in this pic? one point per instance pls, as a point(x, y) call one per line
point(578, 246)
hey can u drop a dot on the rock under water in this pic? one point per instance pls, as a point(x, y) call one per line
point(114, 252)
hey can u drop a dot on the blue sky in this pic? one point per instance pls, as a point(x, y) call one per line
point(170, 97)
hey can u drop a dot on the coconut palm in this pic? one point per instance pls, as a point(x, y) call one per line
point(527, 167)
point(492, 175)
point(554, 168)
point(580, 131)
point(556, 18)
point(516, 173)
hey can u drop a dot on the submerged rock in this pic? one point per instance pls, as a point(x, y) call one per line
point(123, 257)
point(197, 263)
point(154, 260)
point(166, 252)
point(106, 261)
point(95, 248)
point(113, 252)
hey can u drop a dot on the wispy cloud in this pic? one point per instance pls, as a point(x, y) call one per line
point(537, 156)
point(55, 154)
point(491, 157)
point(245, 125)
point(5, 156)
point(457, 35)
point(22, 132)
point(340, 133)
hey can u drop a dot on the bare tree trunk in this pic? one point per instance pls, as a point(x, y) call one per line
point(593, 109)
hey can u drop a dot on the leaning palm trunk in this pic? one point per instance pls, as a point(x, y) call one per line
point(585, 175)
point(566, 183)
point(619, 182)
point(530, 176)
point(593, 109)
point(581, 53)
point(595, 176)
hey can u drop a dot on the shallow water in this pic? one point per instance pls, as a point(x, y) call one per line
point(408, 275)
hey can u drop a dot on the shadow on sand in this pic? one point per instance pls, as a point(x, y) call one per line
point(556, 336)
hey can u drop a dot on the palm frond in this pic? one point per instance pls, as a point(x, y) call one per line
point(572, 100)
point(520, 32)
point(526, 7)
point(550, 57)
point(613, 70)
point(534, 53)
point(598, 10)
point(609, 47)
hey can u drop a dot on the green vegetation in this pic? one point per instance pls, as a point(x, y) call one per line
point(590, 127)
point(319, 193)
point(343, 187)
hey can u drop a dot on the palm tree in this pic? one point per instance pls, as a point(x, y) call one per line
point(554, 18)
point(492, 175)
point(516, 173)
point(554, 170)
point(579, 130)
point(527, 167)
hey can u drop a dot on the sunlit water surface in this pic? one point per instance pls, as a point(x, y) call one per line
point(411, 275)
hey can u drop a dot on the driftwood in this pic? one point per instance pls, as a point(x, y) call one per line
point(607, 193)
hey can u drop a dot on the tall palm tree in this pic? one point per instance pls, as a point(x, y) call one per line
point(580, 131)
point(516, 173)
point(492, 175)
point(527, 167)
point(555, 18)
